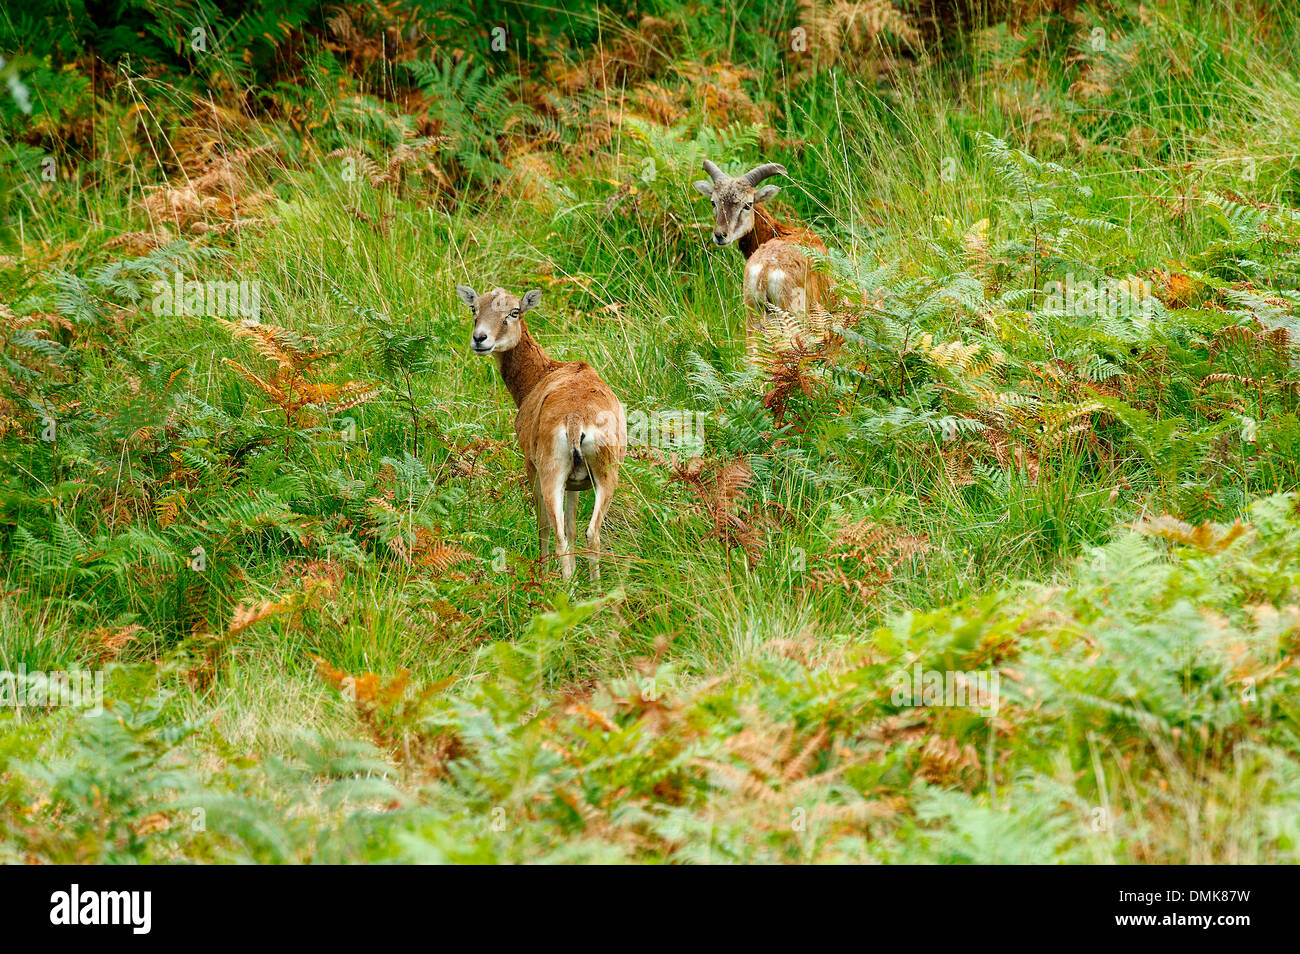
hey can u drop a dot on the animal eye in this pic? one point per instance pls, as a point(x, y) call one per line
point(749, 205)
point(514, 313)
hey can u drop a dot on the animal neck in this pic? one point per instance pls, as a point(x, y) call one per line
point(523, 365)
point(765, 229)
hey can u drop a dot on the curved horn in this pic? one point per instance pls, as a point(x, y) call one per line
point(758, 174)
point(714, 172)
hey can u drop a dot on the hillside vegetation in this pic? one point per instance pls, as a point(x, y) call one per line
point(1048, 435)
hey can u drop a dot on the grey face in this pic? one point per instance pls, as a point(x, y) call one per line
point(496, 317)
point(734, 199)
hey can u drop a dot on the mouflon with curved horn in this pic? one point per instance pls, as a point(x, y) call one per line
point(779, 273)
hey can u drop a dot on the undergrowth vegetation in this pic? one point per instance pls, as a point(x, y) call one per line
point(1047, 436)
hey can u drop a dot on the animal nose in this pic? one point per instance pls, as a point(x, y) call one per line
point(719, 237)
point(480, 337)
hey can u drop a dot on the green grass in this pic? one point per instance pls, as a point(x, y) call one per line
point(700, 704)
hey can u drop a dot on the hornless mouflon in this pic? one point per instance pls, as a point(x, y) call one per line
point(572, 430)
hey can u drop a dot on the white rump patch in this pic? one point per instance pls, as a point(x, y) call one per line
point(560, 447)
point(753, 272)
point(776, 287)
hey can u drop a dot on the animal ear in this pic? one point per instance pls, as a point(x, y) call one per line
point(703, 186)
point(765, 193)
point(467, 294)
point(530, 300)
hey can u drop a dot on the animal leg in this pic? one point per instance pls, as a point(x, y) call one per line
point(543, 523)
point(554, 502)
point(753, 333)
point(571, 517)
point(604, 492)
